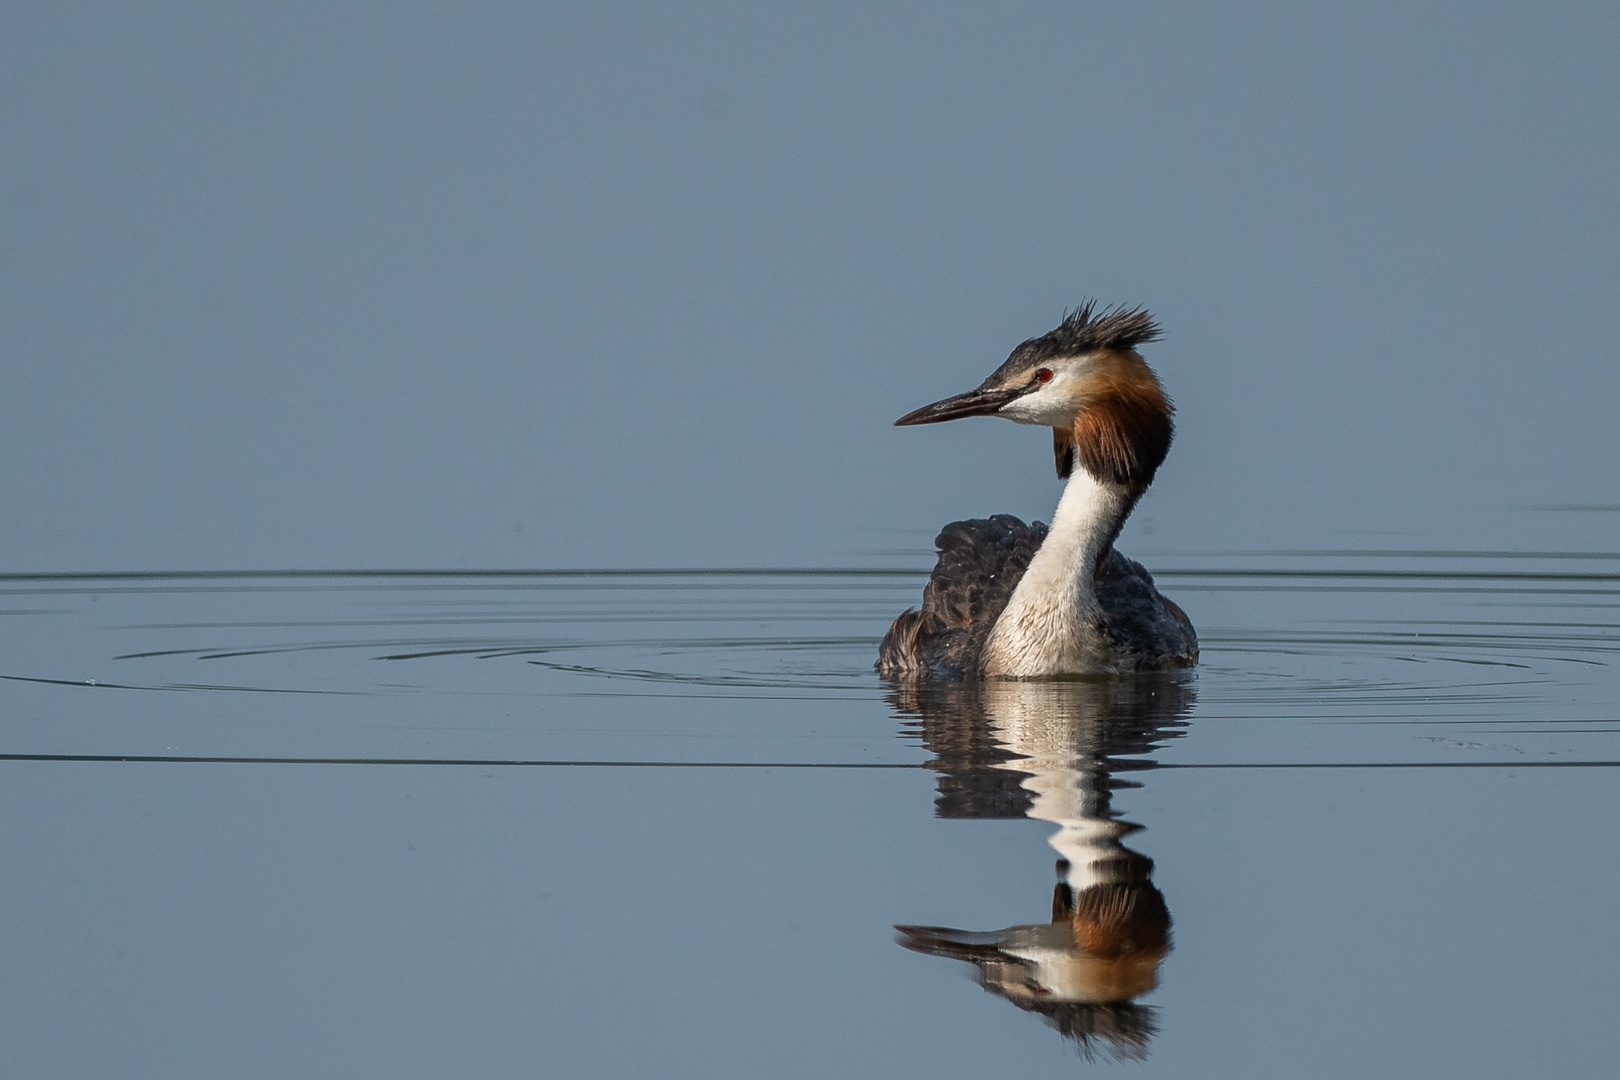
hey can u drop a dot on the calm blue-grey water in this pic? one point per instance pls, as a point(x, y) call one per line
point(622, 284)
point(634, 824)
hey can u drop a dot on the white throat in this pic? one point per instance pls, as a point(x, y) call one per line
point(1043, 629)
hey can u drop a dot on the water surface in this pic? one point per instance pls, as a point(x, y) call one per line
point(666, 823)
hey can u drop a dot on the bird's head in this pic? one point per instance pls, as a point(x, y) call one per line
point(1086, 381)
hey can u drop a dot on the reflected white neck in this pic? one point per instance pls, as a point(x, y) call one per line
point(1069, 788)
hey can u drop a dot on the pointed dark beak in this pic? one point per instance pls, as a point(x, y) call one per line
point(980, 402)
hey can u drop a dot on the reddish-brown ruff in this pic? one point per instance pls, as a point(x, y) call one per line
point(1123, 430)
point(1118, 919)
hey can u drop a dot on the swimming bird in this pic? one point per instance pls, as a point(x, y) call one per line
point(1010, 600)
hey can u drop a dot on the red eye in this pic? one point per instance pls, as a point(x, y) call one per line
point(1043, 375)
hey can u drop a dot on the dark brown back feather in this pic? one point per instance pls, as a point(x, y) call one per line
point(980, 564)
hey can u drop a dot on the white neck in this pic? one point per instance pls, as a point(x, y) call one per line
point(1042, 630)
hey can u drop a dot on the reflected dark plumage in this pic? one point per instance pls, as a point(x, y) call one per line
point(1116, 723)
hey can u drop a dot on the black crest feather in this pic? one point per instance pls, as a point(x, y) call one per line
point(1085, 329)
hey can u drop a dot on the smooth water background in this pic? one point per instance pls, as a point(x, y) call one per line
point(663, 823)
point(367, 285)
point(352, 351)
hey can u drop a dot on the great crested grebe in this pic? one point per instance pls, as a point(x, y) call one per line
point(1009, 600)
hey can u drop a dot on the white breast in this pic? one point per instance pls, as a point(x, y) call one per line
point(1042, 630)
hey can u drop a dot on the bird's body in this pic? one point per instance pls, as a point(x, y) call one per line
point(1009, 600)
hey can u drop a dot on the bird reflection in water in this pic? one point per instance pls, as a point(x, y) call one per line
point(1052, 751)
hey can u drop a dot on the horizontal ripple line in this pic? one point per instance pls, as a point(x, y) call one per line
point(1393, 553)
point(764, 572)
point(1399, 575)
point(179, 759)
point(188, 575)
point(1394, 765)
